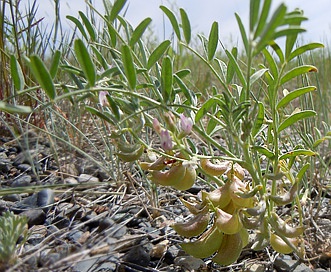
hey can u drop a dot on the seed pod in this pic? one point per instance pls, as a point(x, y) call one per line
point(236, 187)
point(214, 169)
point(207, 244)
point(283, 228)
point(279, 245)
point(131, 156)
point(159, 164)
point(229, 250)
point(188, 180)
point(169, 177)
point(220, 197)
point(258, 210)
point(195, 226)
point(194, 208)
point(244, 236)
point(239, 172)
point(227, 223)
point(249, 222)
point(286, 198)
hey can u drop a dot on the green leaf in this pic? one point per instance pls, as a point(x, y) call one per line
point(14, 108)
point(297, 71)
point(295, 118)
point(303, 49)
point(278, 51)
point(78, 24)
point(297, 152)
point(253, 14)
point(257, 75)
point(85, 61)
point(273, 68)
point(259, 119)
point(212, 41)
point(262, 18)
point(139, 31)
point(158, 53)
point(234, 63)
point(42, 76)
point(116, 9)
point(183, 73)
point(294, 94)
point(99, 114)
point(100, 57)
point(186, 26)
point(301, 173)
point(264, 151)
point(321, 140)
point(205, 108)
point(16, 73)
point(173, 20)
point(268, 32)
point(55, 63)
point(90, 28)
point(191, 97)
point(242, 32)
point(129, 69)
point(166, 78)
point(289, 32)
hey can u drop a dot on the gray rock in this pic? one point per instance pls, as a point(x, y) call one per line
point(45, 198)
point(104, 263)
point(286, 263)
point(137, 255)
point(21, 181)
point(189, 263)
point(35, 217)
point(87, 178)
point(24, 167)
point(12, 197)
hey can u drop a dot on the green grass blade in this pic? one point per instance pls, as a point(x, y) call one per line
point(16, 73)
point(129, 69)
point(166, 78)
point(55, 63)
point(300, 70)
point(303, 49)
point(294, 94)
point(139, 31)
point(42, 76)
point(116, 9)
point(292, 119)
point(158, 53)
point(186, 26)
point(212, 41)
point(85, 61)
point(173, 20)
point(89, 27)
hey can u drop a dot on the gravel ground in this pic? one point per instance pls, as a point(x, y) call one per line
point(82, 221)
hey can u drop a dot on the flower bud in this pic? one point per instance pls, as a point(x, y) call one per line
point(186, 125)
point(166, 141)
point(103, 98)
point(170, 120)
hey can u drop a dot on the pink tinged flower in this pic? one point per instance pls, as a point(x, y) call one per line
point(103, 98)
point(166, 141)
point(156, 126)
point(186, 124)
